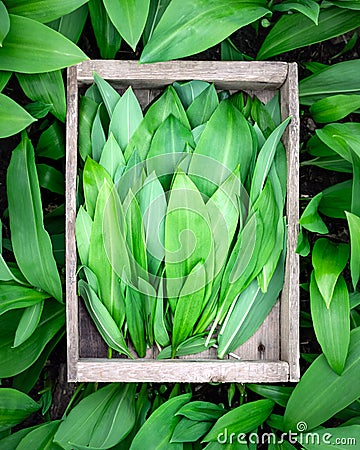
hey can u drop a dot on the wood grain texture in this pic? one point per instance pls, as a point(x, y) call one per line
point(225, 74)
point(272, 353)
point(70, 217)
point(182, 371)
point(290, 298)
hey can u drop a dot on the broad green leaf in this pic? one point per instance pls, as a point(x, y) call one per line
point(303, 244)
point(250, 310)
point(135, 320)
point(209, 168)
point(336, 199)
point(31, 243)
point(168, 103)
point(100, 420)
point(329, 261)
point(229, 52)
point(87, 113)
point(16, 360)
point(340, 78)
point(112, 156)
point(41, 438)
point(189, 430)
point(156, 10)
point(192, 346)
point(332, 324)
point(13, 118)
point(339, 438)
point(126, 118)
point(278, 394)
point(309, 8)
point(188, 91)
point(265, 159)
point(153, 206)
point(335, 163)
point(51, 143)
point(71, 25)
point(292, 31)
point(354, 228)
point(200, 410)
point(83, 232)
point(15, 297)
point(129, 18)
point(24, 50)
point(322, 392)
point(331, 109)
point(161, 334)
point(106, 243)
point(188, 236)
point(28, 323)
point(107, 37)
point(203, 106)
point(11, 441)
point(93, 180)
point(48, 88)
point(243, 419)
point(4, 22)
point(15, 406)
point(109, 95)
point(4, 79)
point(104, 322)
point(188, 305)
point(351, 4)
point(98, 138)
point(310, 218)
point(164, 421)
point(200, 25)
point(39, 110)
point(51, 178)
point(43, 10)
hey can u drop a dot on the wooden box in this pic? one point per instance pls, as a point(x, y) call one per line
point(272, 353)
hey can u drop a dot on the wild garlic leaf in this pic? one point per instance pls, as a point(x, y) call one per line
point(203, 106)
point(112, 157)
point(310, 218)
point(354, 228)
point(108, 93)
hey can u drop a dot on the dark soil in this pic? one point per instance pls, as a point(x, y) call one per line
point(312, 180)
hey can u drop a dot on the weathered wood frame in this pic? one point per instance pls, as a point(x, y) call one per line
point(281, 328)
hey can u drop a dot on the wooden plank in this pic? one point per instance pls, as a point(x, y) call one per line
point(225, 74)
point(182, 371)
point(290, 298)
point(70, 201)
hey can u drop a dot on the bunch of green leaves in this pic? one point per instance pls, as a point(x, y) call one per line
point(182, 222)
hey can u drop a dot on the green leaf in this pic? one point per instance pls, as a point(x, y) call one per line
point(188, 91)
point(98, 138)
point(71, 25)
point(322, 392)
point(87, 112)
point(193, 345)
point(336, 199)
point(109, 95)
point(15, 406)
point(329, 261)
point(339, 438)
point(134, 306)
point(331, 109)
point(354, 228)
point(28, 323)
point(4, 79)
point(310, 218)
point(112, 157)
point(16, 360)
point(243, 419)
point(100, 420)
point(31, 243)
point(209, 168)
point(309, 8)
point(340, 78)
point(188, 236)
point(104, 322)
point(93, 179)
point(4, 22)
point(161, 335)
point(303, 244)
point(15, 297)
point(332, 324)
point(189, 430)
point(203, 106)
point(51, 178)
point(126, 118)
point(129, 18)
point(13, 118)
point(52, 142)
point(24, 50)
point(188, 305)
point(156, 10)
point(278, 394)
point(41, 438)
point(164, 421)
point(11, 441)
point(351, 4)
point(47, 88)
point(200, 25)
point(292, 31)
point(201, 411)
point(43, 10)
point(107, 37)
